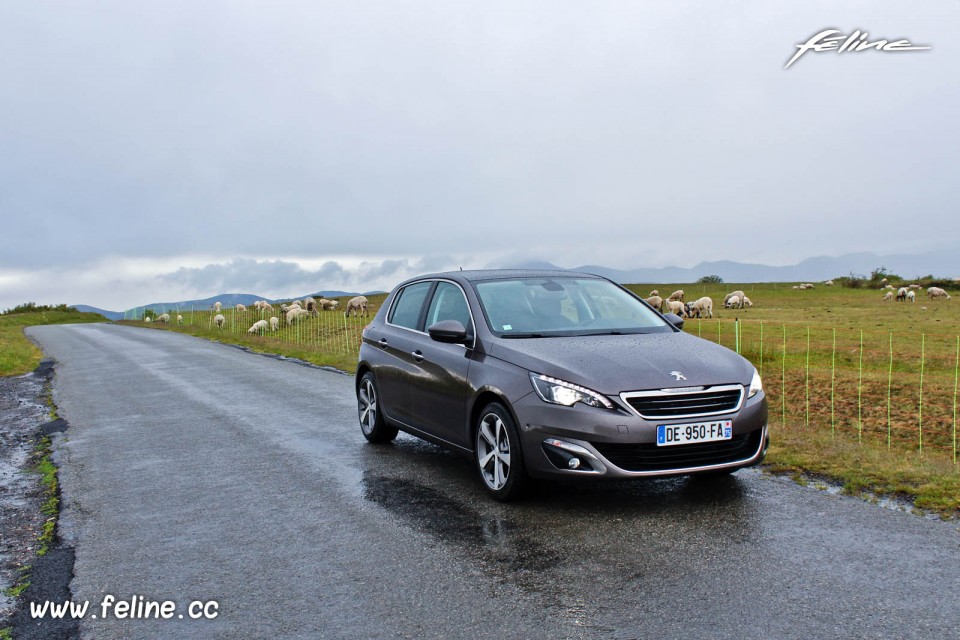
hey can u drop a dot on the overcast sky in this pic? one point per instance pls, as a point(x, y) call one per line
point(170, 150)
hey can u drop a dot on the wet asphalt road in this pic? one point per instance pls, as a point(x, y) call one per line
point(196, 471)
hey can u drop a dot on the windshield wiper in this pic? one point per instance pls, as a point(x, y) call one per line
point(523, 335)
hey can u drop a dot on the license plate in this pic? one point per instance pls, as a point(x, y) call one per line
point(671, 434)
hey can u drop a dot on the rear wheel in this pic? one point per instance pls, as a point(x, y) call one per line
point(372, 423)
point(497, 453)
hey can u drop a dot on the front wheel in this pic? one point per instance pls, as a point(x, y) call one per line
point(497, 453)
point(372, 423)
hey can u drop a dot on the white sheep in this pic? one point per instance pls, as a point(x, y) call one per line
point(274, 323)
point(937, 292)
point(654, 293)
point(164, 318)
point(902, 294)
point(146, 319)
point(310, 305)
point(701, 307)
point(884, 281)
point(738, 294)
point(219, 320)
point(217, 306)
point(888, 296)
point(328, 305)
point(357, 305)
point(656, 302)
point(796, 286)
point(239, 308)
point(915, 286)
point(295, 313)
point(179, 319)
point(829, 283)
point(676, 295)
point(258, 327)
point(675, 306)
point(733, 301)
point(912, 296)
point(746, 302)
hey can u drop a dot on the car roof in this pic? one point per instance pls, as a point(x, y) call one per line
point(475, 275)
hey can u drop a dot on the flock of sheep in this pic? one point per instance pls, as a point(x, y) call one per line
point(909, 293)
point(292, 311)
point(700, 308)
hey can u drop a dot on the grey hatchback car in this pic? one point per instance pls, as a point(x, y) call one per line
point(554, 374)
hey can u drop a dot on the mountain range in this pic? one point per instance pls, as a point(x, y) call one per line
point(944, 264)
point(941, 263)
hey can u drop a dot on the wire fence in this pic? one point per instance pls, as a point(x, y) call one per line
point(330, 331)
point(897, 389)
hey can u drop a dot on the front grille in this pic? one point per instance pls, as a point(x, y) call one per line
point(663, 404)
point(650, 457)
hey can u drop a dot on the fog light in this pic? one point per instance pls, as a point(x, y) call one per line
point(573, 463)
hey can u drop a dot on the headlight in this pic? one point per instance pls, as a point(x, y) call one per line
point(566, 393)
point(756, 385)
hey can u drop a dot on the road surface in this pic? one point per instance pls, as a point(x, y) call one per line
point(195, 472)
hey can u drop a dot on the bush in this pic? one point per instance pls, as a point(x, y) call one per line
point(33, 307)
point(710, 280)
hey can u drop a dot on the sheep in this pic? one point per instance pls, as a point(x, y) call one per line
point(902, 294)
point(146, 319)
point(240, 308)
point(179, 319)
point(219, 320)
point(733, 301)
point(266, 307)
point(328, 305)
point(295, 313)
point(310, 305)
point(796, 286)
point(274, 323)
point(915, 286)
point(675, 306)
point(912, 296)
point(937, 292)
point(655, 301)
point(889, 286)
point(746, 302)
point(828, 283)
point(654, 293)
point(888, 296)
point(676, 295)
point(739, 295)
point(258, 327)
point(217, 306)
point(884, 281)
point(357, 305)
point(165, 318)
point(701, 307)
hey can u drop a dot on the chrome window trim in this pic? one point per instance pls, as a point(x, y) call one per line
point(666, 393)
point(473, 321)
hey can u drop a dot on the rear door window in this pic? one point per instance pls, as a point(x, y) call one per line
point(406, 310)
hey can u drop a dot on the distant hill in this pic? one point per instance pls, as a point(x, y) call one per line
point(109, 315)
point(231, 299)
point(942, 263)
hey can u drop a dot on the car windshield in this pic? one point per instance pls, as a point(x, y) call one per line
point(564, 306)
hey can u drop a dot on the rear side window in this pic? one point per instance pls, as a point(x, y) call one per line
point(406, 310)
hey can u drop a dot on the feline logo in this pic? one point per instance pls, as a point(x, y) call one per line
point(855, 42)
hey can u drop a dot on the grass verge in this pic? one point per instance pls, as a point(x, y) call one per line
point(931, 482)
point(17, 354)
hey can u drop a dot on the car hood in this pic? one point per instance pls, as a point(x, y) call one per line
point(612, 364)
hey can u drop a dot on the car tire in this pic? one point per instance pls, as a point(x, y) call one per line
point(497, 453)
point(372, 423)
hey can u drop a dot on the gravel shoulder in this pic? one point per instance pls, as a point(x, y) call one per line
point(23, 410)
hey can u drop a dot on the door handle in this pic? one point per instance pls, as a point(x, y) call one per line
point(418, 355)
point(383, 343)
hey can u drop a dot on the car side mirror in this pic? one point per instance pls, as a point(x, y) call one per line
point(674, 319)
point(449, 331)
